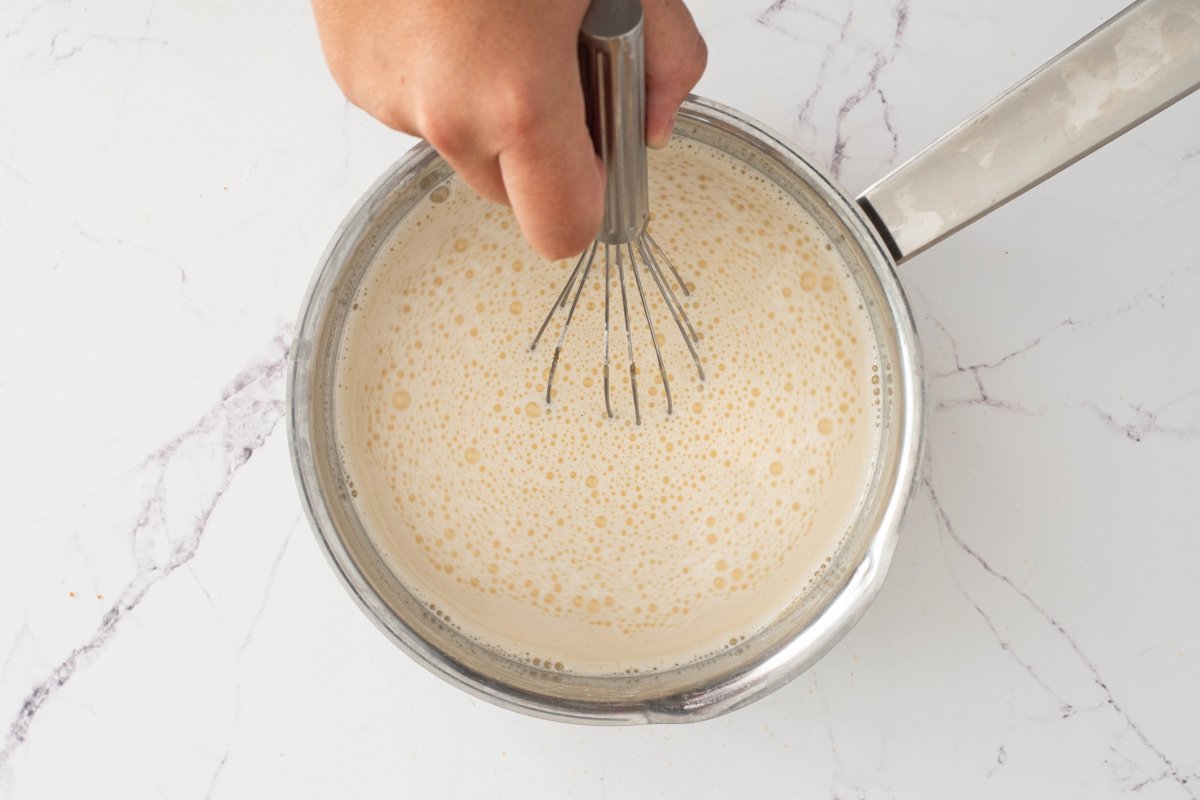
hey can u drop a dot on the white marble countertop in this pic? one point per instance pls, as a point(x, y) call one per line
point(169, 175)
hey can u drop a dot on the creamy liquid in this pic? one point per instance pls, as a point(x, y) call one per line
point(580, 543)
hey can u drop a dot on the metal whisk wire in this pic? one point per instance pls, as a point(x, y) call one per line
point(561, 302)
point(613, 72)
point(642, 246)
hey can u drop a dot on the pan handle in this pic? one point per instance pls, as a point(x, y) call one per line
point(1127, 70)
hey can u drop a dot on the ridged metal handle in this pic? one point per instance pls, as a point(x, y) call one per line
point(1136, 64)
point(614, 88)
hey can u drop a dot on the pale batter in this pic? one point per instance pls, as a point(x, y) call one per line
point(590, 545)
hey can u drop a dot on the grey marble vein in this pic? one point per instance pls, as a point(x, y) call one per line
point(803, 116)
point(871, 88)
point(236, 427)
point(882, 56)
point(1145, 421)
point(30, 14)
point(250, 631)
point(1153, 295)
point(947, 527)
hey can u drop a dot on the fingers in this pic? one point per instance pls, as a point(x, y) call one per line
point(675, 59)
point(467, 151)
point(555, 183)
point(529, 148)
point(505, 110)
point(481, 171)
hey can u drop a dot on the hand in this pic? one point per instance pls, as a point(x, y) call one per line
point(494, 86)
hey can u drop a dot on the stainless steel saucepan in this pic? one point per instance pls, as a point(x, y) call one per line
point(1136, 64)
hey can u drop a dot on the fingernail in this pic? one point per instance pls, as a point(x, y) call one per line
point(663, 136)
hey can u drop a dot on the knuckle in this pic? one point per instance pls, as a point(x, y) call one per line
point(382, 106)
point(441, 129)
point(346, 78)
point(342, 75)
point(390, 114)
point(522, 112)
point(698, 61)
point(689, 65)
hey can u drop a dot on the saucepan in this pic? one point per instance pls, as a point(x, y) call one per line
point(1136, 64)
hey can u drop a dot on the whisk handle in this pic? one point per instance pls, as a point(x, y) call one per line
point(612, 66)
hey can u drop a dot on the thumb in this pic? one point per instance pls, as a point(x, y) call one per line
point(675, 59)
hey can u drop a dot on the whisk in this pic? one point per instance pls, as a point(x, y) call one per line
point(613, 72)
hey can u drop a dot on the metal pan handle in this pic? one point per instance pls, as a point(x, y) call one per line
point(1127, 70)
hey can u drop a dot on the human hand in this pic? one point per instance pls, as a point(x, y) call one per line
point(494, 86)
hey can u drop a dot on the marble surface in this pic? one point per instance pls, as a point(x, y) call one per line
point(169, 175)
